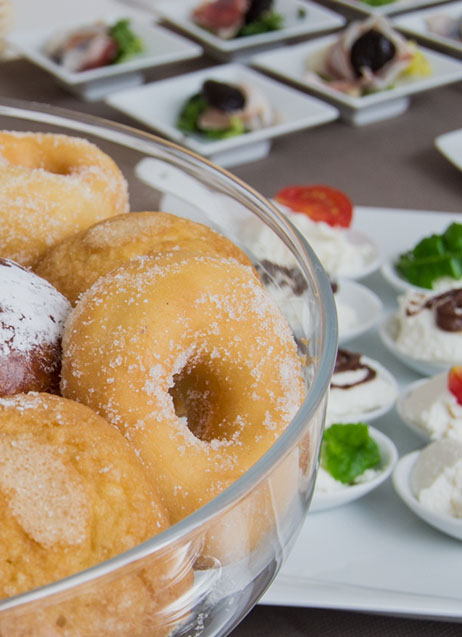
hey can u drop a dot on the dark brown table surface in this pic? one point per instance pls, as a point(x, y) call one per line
point(391, 164)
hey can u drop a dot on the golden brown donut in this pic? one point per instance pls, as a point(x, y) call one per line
point(32, 316)
point(52, 186)
point(75, 263)
point(191, 358)
point(73, 494)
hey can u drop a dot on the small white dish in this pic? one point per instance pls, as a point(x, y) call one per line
point(450, 145)
point(361, 414)
point(157, 105)
point(386, 9)
point(388, 331)
point(415, 23)
point(389, 456)
point(300, 19)
point(393, 277)
point(161, 47)
point(402, 482)
point(418, 397)
point(359, 309)
point(294, 62)
point(345, 253)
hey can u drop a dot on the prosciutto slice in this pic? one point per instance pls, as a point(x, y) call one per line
point(345, 77)
point(222, 17)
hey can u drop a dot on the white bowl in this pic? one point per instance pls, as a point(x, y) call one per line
point(402, 477)
point(300, 19)
point(387, 333)
point(292, 63)
point(366, 415)
point(420, 395)
point(389, 454)
point(393, 277)
point(366, 305)
point(161, 47)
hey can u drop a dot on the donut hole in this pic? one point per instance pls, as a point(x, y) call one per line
point(203, 398)
point(57, 163)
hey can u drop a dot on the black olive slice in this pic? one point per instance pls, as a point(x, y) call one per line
point(371, 50)
point(256, 9)
point(223, 96)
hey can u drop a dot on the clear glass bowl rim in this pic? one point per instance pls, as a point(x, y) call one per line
point(307, 261)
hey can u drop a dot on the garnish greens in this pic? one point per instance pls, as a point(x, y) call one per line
point(434, 257)
point(268, 21)
point(377, 3)
point(347, 451)
point(189, 115)
point(128, 42)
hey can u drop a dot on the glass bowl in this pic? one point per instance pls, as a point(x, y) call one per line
point(207, 571)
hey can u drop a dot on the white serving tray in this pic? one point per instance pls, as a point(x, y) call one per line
point(375, 555)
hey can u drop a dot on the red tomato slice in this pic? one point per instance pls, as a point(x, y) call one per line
point(320, 203)
point(455, 383)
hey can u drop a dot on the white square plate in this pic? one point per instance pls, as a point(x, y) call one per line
point(293, 62)
point(415, 23)
point(396, 6)
point(450, 145)
point(160, 47)
point(313, 19)
point(157, 106)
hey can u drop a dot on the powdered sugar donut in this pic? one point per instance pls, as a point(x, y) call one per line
point(32, 315)
point(78, 261)
point(191, 358)
point(50, 187)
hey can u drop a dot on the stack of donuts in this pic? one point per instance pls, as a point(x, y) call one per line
point(143, 369)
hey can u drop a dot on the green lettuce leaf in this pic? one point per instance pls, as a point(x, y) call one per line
point(192, 110)
point(128, 42)
point(268, 21)
point(434, 257)
point(347, 451)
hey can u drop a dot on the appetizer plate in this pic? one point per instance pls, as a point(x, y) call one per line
point(450, 145)
point(395, 6)
point(294, 63)
point(420, 395)
point(377, 412)
point(416, 24)
point(344, 495)
point(161, 47)
point(157, 105)
point(300, 19)
point(363, 302)
point(388, 331)
point(402, 483)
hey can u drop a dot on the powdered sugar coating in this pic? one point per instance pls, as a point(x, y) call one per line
point(32, 312)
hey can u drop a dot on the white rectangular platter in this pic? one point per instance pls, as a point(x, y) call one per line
point(374, 555)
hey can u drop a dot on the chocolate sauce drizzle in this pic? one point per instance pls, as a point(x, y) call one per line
point(447, 308)
point(351, 362)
